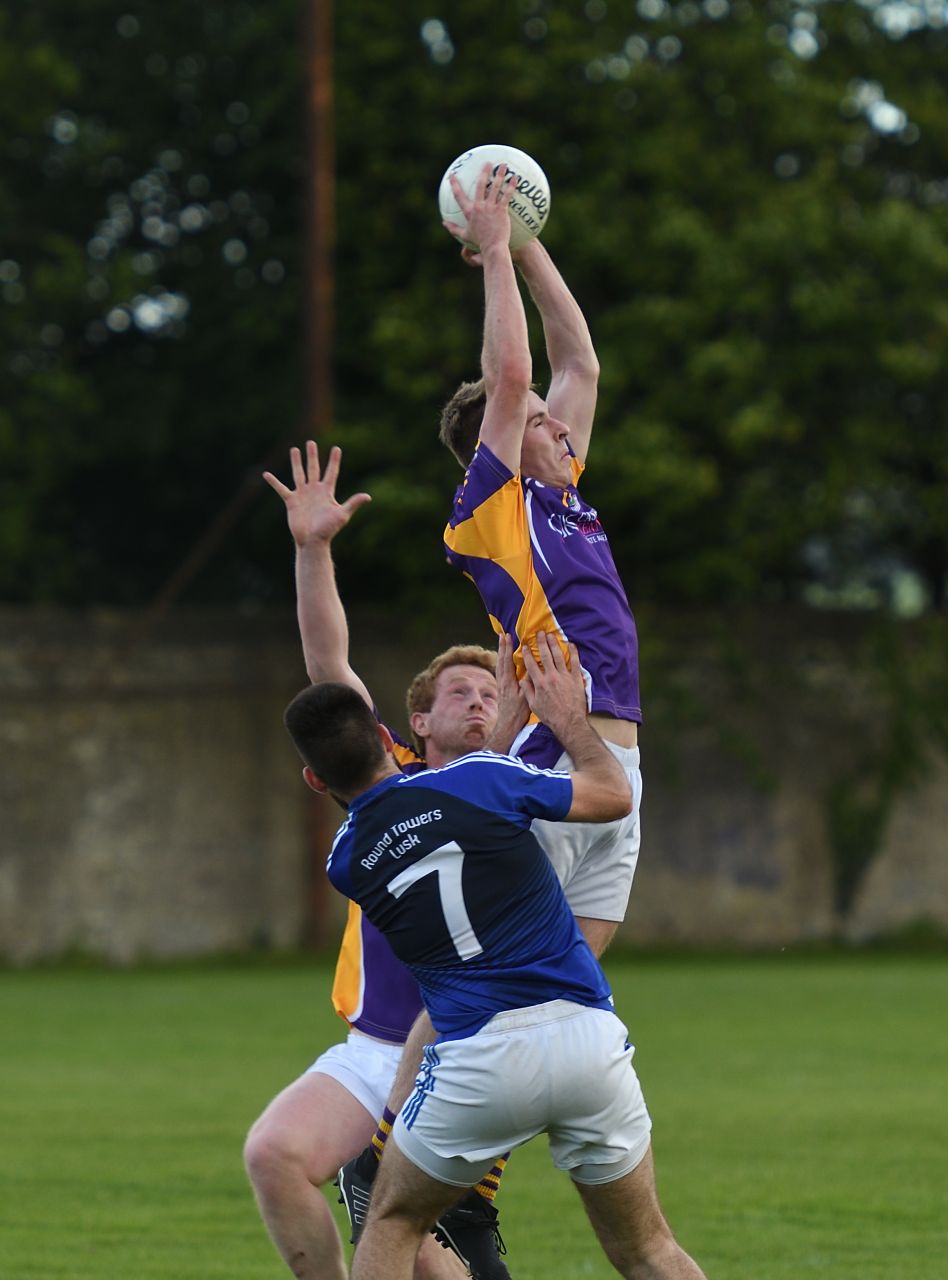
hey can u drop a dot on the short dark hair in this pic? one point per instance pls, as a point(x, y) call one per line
point(336, 733)
point(461, 420)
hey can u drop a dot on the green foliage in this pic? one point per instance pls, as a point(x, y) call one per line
point(148, 337)
point(748, 200)
point(742, 239)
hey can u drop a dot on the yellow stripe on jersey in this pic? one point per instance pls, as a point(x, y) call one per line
point(501, 525)
point(348, 987)
point(348, 979)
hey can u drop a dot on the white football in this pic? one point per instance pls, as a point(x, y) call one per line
point(531, 202)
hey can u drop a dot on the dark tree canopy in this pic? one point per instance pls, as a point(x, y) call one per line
point(749, 200)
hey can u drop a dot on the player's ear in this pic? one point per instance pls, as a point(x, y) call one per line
point(419, 724)
point(314, 783)
point(388, 742)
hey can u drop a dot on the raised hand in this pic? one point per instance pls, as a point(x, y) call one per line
point(488, 221)
point(312, 511)
point(522, 256)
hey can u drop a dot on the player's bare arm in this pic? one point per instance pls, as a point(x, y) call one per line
point(573, 364)
point(505, 353)
point(556, 693)
point(315, 517)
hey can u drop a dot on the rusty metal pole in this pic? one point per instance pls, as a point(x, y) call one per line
point(322, 817)
point(320, 222)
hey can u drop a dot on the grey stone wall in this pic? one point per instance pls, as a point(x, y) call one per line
point(908, 881)
point(151, 804)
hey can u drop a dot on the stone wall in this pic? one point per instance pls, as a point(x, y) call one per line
point(150, 800)
point(151, 803)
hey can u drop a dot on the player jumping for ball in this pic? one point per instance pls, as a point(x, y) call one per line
point(538, 554)
point(533, 546)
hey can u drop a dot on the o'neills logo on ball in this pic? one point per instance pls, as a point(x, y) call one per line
point(526, 217)
point(530, 192)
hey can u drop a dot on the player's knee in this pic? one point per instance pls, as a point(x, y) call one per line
point(269, 1151)
point(392, 1208)
point(259, 1154)
point(385, 1209)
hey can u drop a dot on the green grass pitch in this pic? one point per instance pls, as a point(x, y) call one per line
point(798, 1103)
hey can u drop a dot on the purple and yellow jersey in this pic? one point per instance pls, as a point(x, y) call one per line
point(372, 990)
point(541, 561)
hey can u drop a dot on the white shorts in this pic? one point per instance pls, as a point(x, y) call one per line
point(595, 861)
point(556, 1068)
point(364, 1066)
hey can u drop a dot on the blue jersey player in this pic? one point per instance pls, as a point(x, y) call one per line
point(444, 864)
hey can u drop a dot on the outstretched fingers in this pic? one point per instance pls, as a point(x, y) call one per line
point(297, 469)
point(277, 485)
point(331, 474)
point(307, 479)
point(352, 505)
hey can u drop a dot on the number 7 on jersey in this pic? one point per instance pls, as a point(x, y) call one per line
point(447, 862)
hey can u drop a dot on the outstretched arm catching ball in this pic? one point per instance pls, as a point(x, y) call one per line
point(573, 364)
point(505, 352)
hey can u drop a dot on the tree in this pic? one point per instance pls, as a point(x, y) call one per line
point(760, 248)
point(154, 199)
point(748, 199)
